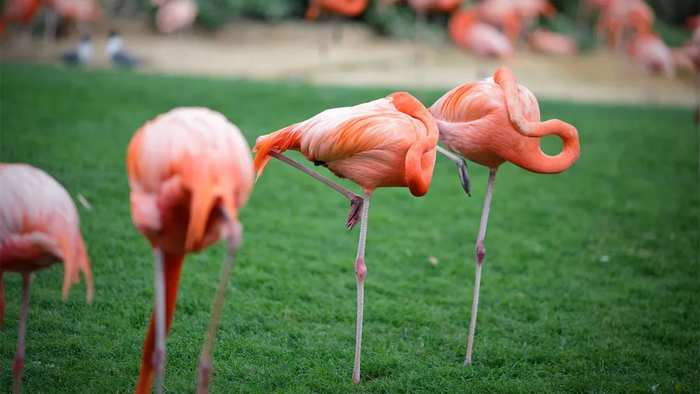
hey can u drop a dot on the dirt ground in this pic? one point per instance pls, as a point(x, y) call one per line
point(291, 51)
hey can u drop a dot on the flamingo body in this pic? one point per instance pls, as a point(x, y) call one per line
point(475, 122)
point(552, 43)
point(482, 39)
point(374, 144)
point(176, 15)
point(650, 52)
point(39, 226)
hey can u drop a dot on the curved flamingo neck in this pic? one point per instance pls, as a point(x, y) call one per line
point(420, 158)
point(531, 157)
point(537, 161)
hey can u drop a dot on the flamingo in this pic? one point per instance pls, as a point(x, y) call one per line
point(83, 12)
point(175, 15)
point(190, 172)
point(482, 39)
point(552, 43)
point(694, 55)
point(621, 16)
point(389, 142)
point(652, 53)
point(20, 12)
point(39, 226)
point(491, 122)
point(529, 10)
point(503, 14)
point(692, 22)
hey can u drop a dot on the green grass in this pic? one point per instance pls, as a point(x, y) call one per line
point(554, 317)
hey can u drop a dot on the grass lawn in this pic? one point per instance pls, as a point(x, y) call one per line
point(591, 281)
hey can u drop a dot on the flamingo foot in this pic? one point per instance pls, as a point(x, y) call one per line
point(464, 176)
point(356, 204)
point(17, 368)
point(204, 375)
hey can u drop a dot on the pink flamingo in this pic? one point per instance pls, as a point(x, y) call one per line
point(175, 15)
point(548, 42)
point(39, 226)
point(491, 122)
point(482, 39)
point(390, 142)
point(190, 172)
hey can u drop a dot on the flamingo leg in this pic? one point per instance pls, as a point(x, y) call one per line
point(205, 359)
point(696, 113)
point(2, 301)
point(480, 253)
point(50, 25)
point(361, 273)
point(355, 200)
point(461, 169)
point(18, 363)
point(159, 351)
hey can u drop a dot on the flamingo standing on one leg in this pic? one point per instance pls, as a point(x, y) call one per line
point(390, 142)
point(190, 171)
point(482, 39)
point(39, 226)
point(694, 55)
point(495, 121)
point(653, 55)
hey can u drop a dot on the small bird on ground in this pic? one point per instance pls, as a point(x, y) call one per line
point(116, 54)
point(81, 55)
point(39, 226)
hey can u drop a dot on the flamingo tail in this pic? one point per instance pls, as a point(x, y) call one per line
point(75, 260)
point(173, 268)
point(279, 141)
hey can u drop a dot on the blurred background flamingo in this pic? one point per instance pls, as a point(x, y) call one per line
point(484, 40)
point(175, 15)
point(551, 43)
point(39, 226)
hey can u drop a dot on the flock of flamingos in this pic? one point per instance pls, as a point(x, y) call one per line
point(489, 28)
point(190, 171)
